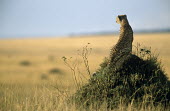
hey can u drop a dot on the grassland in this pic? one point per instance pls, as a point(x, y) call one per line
point(33, 75)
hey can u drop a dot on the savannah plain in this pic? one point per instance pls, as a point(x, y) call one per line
point(34, 77)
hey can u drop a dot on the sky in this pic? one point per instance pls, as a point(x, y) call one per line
point(45, 18)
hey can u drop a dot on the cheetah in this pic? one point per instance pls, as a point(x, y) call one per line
point(123, 48)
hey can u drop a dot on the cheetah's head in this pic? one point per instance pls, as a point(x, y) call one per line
point(121, 19)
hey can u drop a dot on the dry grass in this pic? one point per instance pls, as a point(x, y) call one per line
point(22, 87)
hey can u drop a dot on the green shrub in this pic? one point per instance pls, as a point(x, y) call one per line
point(55, 71)
point(25, 63)
point(141, 79)
point(44, 76)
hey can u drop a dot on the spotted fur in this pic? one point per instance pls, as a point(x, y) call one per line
point(122, 50)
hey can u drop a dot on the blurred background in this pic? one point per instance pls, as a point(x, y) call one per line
point(37, 18)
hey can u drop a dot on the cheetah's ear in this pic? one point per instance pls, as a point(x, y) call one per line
point(120, 18)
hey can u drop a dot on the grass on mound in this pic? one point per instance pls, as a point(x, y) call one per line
point(140, 81)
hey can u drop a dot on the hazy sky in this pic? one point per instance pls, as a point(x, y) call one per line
point(29, 18)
